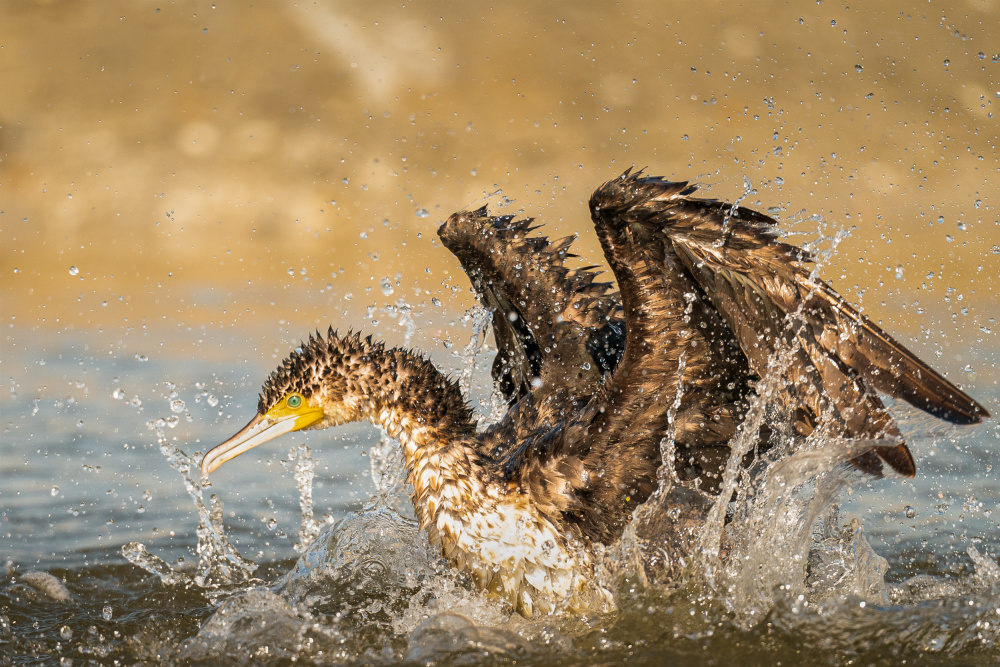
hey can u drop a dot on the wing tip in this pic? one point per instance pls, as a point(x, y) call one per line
point(957, 407)
point(899, 458)
point(634, 189)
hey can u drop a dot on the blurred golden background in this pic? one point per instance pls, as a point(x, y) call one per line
point(189, 164)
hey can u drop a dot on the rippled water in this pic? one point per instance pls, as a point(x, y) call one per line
point(821, 564)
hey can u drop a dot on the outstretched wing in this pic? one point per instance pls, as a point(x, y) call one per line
point(681, 377)
point(554, 326)
point(765, 291)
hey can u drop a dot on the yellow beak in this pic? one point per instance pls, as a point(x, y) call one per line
point(260, 429)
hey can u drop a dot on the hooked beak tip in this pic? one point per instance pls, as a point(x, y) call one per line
point(260, 429)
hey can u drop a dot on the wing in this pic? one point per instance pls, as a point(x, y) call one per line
point(681, 376)
point(554, 326)
point(765, 292)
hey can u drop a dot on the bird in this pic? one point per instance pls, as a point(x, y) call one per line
point(595, 376)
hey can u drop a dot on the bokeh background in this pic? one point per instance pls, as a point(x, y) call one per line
point(188, 188)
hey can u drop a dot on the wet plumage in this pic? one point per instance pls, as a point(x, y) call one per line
point(596, 378)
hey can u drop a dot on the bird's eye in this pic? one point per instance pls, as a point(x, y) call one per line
point(294, 401)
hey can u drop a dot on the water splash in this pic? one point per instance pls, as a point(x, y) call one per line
point(305, 472)
point(656, 545)
point(136, 553)
point(366, 582)
point(480, 318)
point(843, 565)
point(405, 314)
point(733, 212)
point(667, 473)
point(388, 469)
point(219, 563)
point(495, 406)
point(772, 531)
point(734, 477)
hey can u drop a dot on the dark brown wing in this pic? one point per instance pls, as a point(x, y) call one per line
point(593, 466)
point(765, 292)
point(555, 327)
point(682, 373)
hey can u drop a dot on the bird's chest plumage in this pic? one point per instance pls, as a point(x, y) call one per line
point(495, 534)
point(510, 550)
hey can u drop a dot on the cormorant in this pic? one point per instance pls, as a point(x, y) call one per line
point(597, 378)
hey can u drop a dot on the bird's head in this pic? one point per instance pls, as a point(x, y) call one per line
point(306, 391)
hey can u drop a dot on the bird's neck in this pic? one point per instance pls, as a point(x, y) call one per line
point(418, 405)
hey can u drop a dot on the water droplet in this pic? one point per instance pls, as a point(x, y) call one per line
point(147, 495)
point(212, 400)
point(54, 491)
point(437, 302)
point(899, 272)
point(947, 62)
point(73, 270)
point(118, 394)
point(858, 68)
point(141, 510)
point(423, 213)
point(66, 632)
point(106, 612)
point(172, 421)
point(271, 523)
point(779, 181)
point(909, 512)
point(177, 406)
point(961, 226)
point(386, 286)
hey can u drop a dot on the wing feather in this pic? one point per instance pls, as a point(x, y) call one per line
point(766, 293)
point(554, 326)
point(761, 281)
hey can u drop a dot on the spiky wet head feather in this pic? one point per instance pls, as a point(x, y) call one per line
point(307, 370)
